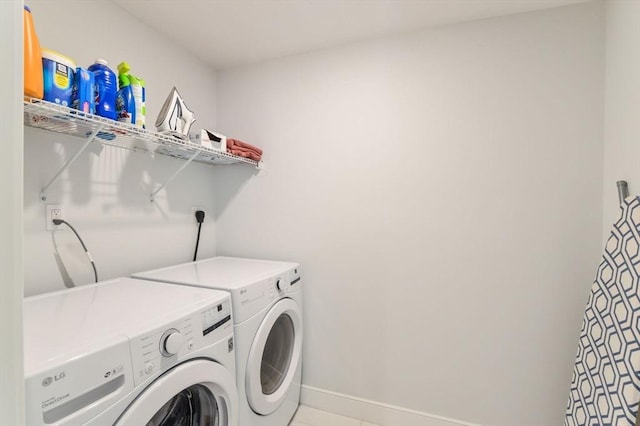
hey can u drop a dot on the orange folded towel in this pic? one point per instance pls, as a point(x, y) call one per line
point(243, 149)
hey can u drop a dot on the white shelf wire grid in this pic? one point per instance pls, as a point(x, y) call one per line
point(60, 119)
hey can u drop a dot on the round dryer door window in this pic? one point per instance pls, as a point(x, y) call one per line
point(274, 357)
point(196, 393)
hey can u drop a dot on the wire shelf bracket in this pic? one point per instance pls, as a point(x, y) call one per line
point(69, 162)
point(174, 175)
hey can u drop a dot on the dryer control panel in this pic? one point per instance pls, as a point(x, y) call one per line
point(294, 278)
point(287, 282)
point(162, 348)
point(253, 298)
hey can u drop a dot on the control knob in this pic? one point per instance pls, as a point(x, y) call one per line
point(171, 342)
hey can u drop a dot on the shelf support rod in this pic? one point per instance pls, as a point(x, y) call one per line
point(90, 138)
point(177, 172)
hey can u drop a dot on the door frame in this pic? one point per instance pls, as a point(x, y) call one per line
point(12, 402)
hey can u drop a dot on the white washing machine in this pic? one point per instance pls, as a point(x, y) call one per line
point(267, 309)
point(130, 352)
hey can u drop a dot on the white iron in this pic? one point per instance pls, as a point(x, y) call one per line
point(174, 117)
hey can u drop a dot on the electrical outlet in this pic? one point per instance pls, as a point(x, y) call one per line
point(194, 210)
point(54, 211)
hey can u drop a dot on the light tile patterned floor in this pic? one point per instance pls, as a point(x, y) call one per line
point(307, 416)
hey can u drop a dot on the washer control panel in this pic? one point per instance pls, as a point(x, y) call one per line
point(215, 317)
point(160, 349)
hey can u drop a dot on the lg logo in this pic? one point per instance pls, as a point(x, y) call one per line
point(47, 381)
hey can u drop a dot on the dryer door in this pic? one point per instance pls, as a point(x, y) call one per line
point(199, 392)
point(274, 357)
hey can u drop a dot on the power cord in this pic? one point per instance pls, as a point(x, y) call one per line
point(200, 219)
point(60, 222)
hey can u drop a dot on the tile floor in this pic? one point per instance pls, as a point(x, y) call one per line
point(307, 416)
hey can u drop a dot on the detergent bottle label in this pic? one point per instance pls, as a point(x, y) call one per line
point(125, 106)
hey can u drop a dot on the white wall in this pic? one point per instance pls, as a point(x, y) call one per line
point(442, 190)
point(105, 194)
point(11, 255)
point(622, 128)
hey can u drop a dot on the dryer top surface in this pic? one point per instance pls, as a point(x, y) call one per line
point(228, 273)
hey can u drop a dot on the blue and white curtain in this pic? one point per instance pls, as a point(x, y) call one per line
point(605, 388)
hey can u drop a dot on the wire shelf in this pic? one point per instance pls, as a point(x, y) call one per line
point(60, 119)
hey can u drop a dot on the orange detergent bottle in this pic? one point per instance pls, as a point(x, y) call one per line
point(33, 81)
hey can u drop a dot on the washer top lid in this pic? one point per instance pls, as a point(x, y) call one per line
point(228, 273)
point(68, 323)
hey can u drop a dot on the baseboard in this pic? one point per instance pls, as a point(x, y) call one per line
point(371, 411)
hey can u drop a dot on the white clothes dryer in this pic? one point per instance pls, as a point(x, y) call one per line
point(267, 309)
point(130, 352)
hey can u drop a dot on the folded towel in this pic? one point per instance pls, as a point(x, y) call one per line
point(235, 143)
point(243, 149)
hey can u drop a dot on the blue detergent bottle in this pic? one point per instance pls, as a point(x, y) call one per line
point(106, 87)
point(125, 100)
